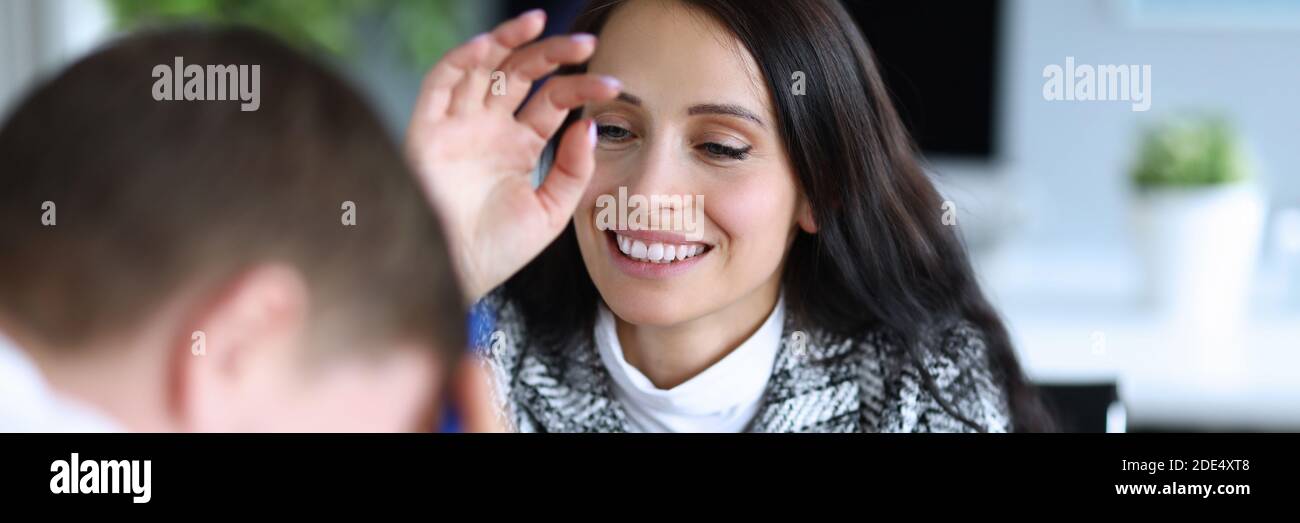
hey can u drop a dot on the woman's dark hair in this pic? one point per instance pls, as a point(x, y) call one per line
point(881, 258)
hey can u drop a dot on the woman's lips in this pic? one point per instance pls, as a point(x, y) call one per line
point(653, 254)
point(657, 247)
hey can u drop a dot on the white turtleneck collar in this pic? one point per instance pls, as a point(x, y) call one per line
point(723, 398)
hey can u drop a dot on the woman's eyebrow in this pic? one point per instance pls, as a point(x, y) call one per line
point(629, 99)
point(724, 109)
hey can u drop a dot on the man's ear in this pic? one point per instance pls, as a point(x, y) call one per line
point(232, 351)
point(804, 216)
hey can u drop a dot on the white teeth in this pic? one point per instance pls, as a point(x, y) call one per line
point(656, 252)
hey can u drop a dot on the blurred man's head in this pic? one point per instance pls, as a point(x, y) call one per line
point(202, 267)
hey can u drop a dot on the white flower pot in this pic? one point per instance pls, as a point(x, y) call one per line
point(1200, 247)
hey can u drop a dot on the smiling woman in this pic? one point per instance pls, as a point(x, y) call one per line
point(824, 292)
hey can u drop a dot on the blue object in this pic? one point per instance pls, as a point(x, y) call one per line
point(480, 324)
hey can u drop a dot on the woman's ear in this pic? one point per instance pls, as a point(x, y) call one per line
point(804, 216)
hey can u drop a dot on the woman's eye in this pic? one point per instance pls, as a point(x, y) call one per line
point(612, 133)
point(720, 151)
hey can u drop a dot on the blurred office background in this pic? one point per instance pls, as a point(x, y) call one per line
point(1154, 252)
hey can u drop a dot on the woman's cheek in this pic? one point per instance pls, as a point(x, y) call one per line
point(755, 217)
point(603, 182)
point(595, 188)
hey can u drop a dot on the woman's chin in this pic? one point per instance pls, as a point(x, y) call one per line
point(651, 308)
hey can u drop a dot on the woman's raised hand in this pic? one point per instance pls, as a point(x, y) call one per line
point(475, 154)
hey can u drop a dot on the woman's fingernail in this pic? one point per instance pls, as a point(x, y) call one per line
point(532, 12)
point(583, 38)
point(612, 82)
point(591, 133)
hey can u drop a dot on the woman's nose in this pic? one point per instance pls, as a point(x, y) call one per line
point(658, 172)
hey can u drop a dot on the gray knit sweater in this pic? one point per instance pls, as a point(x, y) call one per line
point(819, 383)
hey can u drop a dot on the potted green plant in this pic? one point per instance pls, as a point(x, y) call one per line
point(1199, 218)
